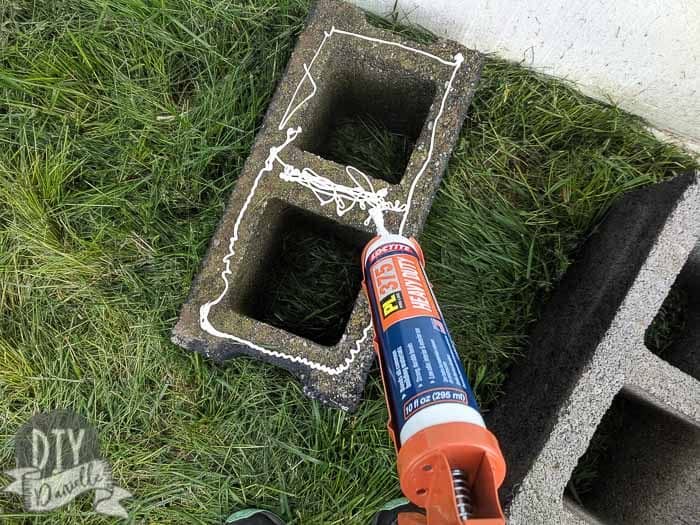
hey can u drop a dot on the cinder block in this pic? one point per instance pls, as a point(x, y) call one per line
point(684, 352)
point(588, 350)
point(650, 470)
point(292, 187)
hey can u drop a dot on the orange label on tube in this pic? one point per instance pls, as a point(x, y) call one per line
point(402, 290)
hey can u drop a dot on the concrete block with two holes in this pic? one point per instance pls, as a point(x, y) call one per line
point(295, 190)
point(589, 373)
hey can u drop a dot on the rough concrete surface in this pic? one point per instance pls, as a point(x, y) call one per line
point(341, 66)
point(589, 348)
point(650, 472)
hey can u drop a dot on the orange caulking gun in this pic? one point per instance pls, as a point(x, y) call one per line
point(448, 462)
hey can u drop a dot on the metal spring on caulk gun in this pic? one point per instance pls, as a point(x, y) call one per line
point(462, 493)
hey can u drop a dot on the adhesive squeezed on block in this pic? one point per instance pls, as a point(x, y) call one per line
point(448, 462)
point(295, 186)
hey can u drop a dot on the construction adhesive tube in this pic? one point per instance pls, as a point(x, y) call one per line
point(448, 462)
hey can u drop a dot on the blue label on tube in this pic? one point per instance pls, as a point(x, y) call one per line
point(419, 360)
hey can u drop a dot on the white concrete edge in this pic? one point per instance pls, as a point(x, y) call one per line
point(641, 55)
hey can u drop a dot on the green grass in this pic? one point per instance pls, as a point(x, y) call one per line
point(368, 145)
point(312, 284)
point(669, 322)
point(586, 473)
point(123, 125)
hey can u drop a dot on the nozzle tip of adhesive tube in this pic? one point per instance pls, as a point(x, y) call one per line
point(377, 216)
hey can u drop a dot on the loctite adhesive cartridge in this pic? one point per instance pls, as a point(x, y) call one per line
point(448, 462)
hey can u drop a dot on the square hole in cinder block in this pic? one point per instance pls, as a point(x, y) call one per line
point(640, 467)
point(305, 273)
point(674, 334)
point(368, 116)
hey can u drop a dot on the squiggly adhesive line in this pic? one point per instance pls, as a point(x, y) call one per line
point(344, 197)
